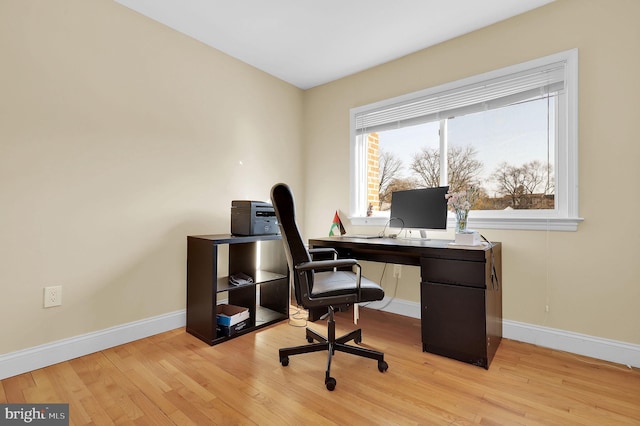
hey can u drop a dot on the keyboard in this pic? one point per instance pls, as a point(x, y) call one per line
point(364, 236)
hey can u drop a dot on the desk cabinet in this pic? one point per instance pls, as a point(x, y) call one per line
point(210, 261)
point(461, 307)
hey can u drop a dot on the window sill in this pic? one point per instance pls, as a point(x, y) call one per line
point(516, 223)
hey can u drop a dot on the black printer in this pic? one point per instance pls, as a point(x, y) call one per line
point(253, 218)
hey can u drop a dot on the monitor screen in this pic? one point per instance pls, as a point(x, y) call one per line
point(424, 208)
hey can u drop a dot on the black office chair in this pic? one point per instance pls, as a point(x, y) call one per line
point(318, 284)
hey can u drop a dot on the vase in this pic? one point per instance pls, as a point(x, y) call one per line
point(461, 221)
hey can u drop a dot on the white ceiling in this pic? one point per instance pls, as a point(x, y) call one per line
point(311, 42)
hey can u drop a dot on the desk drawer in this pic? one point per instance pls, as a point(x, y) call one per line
point(448, 271)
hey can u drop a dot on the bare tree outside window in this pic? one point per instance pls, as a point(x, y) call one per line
point(463, 168)
point(426, 164)
point(390, 167)
point(526, 186)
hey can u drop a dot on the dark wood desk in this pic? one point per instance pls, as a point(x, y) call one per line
point(460, 291)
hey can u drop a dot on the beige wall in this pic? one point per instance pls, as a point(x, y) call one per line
point(119, 137)
point(590, 278)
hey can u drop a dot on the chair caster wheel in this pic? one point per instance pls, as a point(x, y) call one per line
point(284, 361)
point(383, 366)
point(357, 340)
point(309, 340)
point(330, 383)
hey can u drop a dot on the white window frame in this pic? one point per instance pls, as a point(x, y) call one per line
point(564, 216)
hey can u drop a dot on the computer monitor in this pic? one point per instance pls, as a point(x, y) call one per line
point(424, 208)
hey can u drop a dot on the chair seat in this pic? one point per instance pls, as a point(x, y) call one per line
point(337, 283)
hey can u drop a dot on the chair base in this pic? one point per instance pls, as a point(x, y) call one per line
point(332, 344)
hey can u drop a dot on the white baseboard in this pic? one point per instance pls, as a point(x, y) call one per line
point(30, 359)
point(581, 344)
point(396, 306)
point(25, 360)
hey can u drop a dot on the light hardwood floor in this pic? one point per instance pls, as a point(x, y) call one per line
point(174, 378)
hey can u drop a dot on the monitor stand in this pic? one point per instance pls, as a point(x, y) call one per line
point(409, 235)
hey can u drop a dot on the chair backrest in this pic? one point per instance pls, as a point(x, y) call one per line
point(295, 250)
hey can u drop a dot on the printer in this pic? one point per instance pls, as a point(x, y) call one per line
point(253, 218)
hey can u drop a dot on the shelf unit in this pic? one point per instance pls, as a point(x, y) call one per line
point(210, 261)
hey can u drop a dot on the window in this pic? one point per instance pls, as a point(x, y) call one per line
point(511, 133)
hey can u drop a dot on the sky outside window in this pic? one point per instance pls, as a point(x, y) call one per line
point(516, 134)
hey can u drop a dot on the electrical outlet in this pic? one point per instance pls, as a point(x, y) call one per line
point(52, 296)
point(397, 271)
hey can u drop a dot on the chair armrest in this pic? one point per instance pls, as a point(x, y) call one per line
point(320, 250)
point(326, 264)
